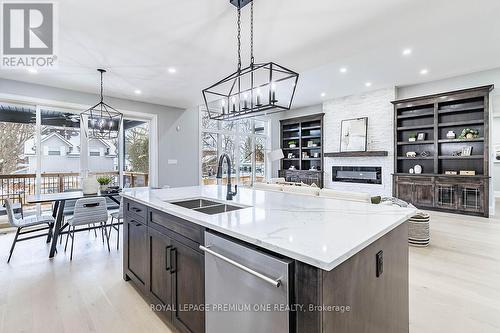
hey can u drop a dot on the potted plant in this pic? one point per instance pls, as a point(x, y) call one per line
point(412, 137)
point(468, 133)
point(291, 144)
point(104, 181)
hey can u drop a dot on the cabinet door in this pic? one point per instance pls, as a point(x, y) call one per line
point(446, 196)
point(423, 194)
point(404, 191)
point(137, 250)
point(188, 286)
point(470, 198)
point(160, 279)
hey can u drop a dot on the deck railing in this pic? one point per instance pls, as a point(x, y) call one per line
point(23, 185)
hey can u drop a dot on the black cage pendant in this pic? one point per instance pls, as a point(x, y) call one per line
point(258, 89)
point(102, 120)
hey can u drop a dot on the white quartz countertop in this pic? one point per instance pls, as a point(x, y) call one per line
point(319, 231)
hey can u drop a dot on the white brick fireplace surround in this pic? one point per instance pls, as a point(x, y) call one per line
point(376, 105)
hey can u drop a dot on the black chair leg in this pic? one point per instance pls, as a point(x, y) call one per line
point(107, 238)
point(51, 234)
point(72, 242)
point(13, 244)
point(67, 236)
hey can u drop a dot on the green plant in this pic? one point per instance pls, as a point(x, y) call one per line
point(413, 136)
point(291, 143)
point(466, 131)
point(104, 180)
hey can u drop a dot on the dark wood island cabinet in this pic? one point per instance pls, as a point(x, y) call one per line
point(163, 260)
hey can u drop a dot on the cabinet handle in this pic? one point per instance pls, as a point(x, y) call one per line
point(137, 210)
point(173, 260)
point(167, 258)
point(137, 224)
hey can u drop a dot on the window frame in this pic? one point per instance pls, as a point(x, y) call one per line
point(239, 137)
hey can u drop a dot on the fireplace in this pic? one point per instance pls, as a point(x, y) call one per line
point(353, 174)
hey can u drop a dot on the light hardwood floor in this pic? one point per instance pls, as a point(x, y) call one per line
point(454, 284)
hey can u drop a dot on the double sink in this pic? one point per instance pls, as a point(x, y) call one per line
point(206, 206)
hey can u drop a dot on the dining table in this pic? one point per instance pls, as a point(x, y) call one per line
point(59, 201)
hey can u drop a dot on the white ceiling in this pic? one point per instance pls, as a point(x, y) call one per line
point(138, 40)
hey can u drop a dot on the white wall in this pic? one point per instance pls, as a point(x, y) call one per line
point(463, 82)
point(376, 105)
point(175, 145)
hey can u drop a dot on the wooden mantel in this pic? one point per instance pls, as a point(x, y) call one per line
point(358, 153)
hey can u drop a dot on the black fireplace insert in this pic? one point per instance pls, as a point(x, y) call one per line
point(363, 175)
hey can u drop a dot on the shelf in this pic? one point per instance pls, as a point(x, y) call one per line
point(291, 148)
point(311, 159)
point(423, 142)
point(460, 140)
point(357, 153)
point(472, 157)
point(407, 128)
point(311, 128)
point(471, 108)
point(415, 158)
point(292, 138)
point(308, 148)
point(311, 137)
point(291, 159)
point(291, 130)
point(420, 115)
point(436, 175)
point(462, 123)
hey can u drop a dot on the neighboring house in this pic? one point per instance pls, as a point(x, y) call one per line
point(62, 155)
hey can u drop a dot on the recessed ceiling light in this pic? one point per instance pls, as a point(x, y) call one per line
point(368, 84)
point(172, 70)
point(407, 52)
point(424, 71)
point(137, 92)
point(32, 70)
point(343, 70)
point(323, 94)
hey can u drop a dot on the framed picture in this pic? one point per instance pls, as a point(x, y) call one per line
point(466, 151)
point(353, 134)
point(421, 136)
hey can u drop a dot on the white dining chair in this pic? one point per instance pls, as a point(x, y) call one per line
point(88, 211)
point(33, 223)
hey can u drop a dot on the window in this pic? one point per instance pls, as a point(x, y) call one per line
point(245, 141)
point(54, 152)
point(136, 159)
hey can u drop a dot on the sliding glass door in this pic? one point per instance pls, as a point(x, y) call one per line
point(136, 156)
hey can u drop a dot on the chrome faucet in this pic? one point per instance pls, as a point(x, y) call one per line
point(230, 193)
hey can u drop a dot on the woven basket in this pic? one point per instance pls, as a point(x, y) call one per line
point(418, 230)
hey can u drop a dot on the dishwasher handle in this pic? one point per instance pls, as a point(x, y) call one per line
point(275, 283)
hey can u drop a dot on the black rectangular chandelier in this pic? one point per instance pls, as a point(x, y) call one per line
point(259, 89)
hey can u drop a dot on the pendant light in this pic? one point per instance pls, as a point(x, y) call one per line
point(259, 89)
point(103, 121)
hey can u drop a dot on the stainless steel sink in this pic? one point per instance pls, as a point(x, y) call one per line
point(195, 203)
point(217, 209)
point(206, 206)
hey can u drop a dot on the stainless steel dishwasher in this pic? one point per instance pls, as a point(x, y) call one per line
point(246, 290)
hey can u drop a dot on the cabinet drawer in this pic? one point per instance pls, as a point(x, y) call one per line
point(177, 225)
point(139, 211)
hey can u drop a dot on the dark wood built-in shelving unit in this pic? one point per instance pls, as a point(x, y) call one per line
point(435, 115)
point(302, 130)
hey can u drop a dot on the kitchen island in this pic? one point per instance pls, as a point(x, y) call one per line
point(346, 263)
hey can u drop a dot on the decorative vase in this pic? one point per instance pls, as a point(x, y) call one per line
point(469, 136)
point(90, 185)
point(450, 135)
point(104, 187)
point(412, 139)
point(411, 170)
point(417, 168)
point(292, 145)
